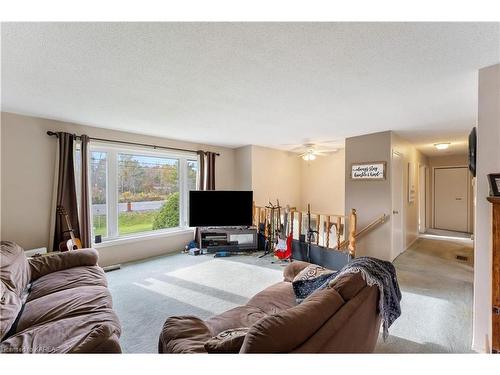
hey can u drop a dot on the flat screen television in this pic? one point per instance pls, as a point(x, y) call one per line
point(218, 208)
point(472, 151)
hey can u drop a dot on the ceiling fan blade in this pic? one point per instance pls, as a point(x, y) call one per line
point(296, 149)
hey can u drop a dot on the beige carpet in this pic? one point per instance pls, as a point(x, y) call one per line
point(437, 299)
point(436, 306)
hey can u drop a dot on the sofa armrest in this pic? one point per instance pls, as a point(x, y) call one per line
point(293, 270)
point(44, 265)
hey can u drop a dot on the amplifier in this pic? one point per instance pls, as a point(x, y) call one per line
point(228, 248)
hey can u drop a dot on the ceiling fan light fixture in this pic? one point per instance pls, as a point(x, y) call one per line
point(309, 156)
point(442, 146)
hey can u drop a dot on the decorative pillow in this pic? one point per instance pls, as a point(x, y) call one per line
point(311, 272)
point(228, 341)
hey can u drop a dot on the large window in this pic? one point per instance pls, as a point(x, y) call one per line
point(139, 191)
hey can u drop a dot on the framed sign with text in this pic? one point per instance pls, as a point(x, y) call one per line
point(368, 171)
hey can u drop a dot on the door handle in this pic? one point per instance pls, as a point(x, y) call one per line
point(394, 212)
point(458, 199)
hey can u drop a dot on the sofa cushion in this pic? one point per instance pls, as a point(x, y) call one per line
point(311, 272)
point(275, 298)
point(14, 267)
point(64, 304)
point(348, 285)
point(241, 316)
point(66, 279)
point(286, 330)
point(94, 332)
point(183, 334)
point(53, 262)
point(228, 341)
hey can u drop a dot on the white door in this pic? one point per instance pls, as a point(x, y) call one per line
point(397, 205)
point(451, 198)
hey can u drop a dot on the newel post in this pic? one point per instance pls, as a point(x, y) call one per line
point(353, 219)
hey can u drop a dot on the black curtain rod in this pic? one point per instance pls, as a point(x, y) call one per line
point(51, 133)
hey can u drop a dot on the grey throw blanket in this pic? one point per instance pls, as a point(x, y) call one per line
point(375, 272)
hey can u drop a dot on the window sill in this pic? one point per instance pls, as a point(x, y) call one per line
point(142, 236)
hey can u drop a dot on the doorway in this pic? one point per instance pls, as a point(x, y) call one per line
point(451, 197)
point(397, 204)
point(422, 198)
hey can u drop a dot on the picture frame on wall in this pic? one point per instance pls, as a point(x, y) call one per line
point(375, 170)
point(411, 182)
point(494, 180)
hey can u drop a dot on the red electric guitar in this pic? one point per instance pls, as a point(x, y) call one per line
point(283, 249)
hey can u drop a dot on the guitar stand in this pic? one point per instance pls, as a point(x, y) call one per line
point(282, 262)
point(266, 251)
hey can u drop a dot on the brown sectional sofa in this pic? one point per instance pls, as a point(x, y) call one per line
point(340, 319)
point(57, 303)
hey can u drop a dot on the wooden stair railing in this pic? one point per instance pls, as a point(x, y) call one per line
point(354, 235)
point(324, 223)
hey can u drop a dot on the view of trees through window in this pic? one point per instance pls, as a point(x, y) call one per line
point(148, 196)
point(98, 173)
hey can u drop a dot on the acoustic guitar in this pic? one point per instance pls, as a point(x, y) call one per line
point(73, 243)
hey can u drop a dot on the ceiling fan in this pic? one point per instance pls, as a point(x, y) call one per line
point(309, 151)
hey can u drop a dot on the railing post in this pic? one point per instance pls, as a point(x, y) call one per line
point(318, 219)
point(328, 230)
point(300, 223)
point(352, 233)
point(339, 230)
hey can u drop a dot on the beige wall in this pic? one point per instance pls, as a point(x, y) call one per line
point(28, 159)
point(370, 198)
point(488, 161)
point(450, 161)
point(243, 167)
point(410, 155)
point(275, 175)
point(323, 183)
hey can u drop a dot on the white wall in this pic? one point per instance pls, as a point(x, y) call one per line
point(27, 175)
point(488, 161)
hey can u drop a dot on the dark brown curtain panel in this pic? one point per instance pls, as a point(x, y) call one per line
point(210, 167)
point(85, 220)
point(66, 190)
point(206, 180)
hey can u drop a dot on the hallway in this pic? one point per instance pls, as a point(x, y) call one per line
point(437, 299)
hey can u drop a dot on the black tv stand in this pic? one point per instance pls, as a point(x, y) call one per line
point(232, 239)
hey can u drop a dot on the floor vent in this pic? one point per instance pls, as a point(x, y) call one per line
point(462, 258)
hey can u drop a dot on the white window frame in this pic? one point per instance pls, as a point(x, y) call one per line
point(112, 151)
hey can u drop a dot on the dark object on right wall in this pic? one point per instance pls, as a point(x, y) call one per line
point(472, 151)
point(494, 180)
